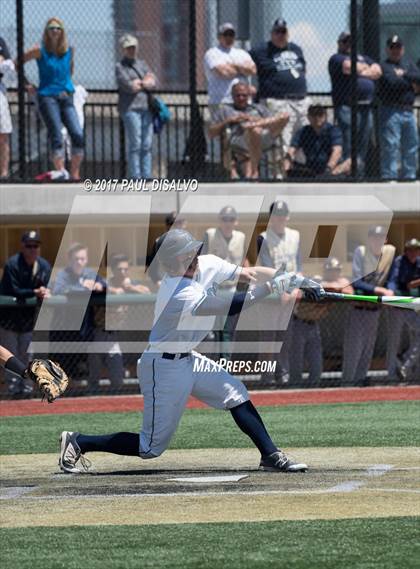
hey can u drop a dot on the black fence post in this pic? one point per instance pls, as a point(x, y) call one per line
point(196, 144)
point(21, 90)
point(353, 90)
point(371, 47)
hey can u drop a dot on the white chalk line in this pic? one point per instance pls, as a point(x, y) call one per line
point(344, 487)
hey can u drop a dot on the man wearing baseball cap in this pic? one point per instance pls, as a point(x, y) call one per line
point(26, 275)
point(224, 65)
point(228, 243)
point(405, 281)
point(339, 67)
point(397, 89)
point(134, 80)
point(279, 247)
point(371, 266)
point(281, 71)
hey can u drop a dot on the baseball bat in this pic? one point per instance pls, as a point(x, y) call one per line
point(411, 302)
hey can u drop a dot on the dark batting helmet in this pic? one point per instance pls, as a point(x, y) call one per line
point(177, 242)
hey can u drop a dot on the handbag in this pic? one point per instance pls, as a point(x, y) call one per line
point(160, 112)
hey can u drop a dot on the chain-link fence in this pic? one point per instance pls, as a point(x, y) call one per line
point(103, 359)
point(320, 52)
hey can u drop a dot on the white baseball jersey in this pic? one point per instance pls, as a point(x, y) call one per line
point(175, 327)
point(165, 383)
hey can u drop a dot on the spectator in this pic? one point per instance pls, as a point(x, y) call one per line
point(26, 275)
point(397, 91)
point(306, 331)
point(225, 65)
point(229, 244)
point(339, 67)
point(120, 282)
point(371, 267)
point(108, 324)
point(279, 247)
point(75, 280)
point(153, 266)
point(55, 61)
point(134, 80)
point(281, 70)
point(6, 66)
point(322, 145)
point(404, 281)
point(253, 129)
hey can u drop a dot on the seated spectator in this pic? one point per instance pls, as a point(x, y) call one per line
point(225, 65)
point(74, 280)
point(55, 61)
point(6, 66)
point(153, 267)
point(253, 129)
point(26, 275)
point(322, 146)
point(339, 67)
point(404, 280)
point(397, 90)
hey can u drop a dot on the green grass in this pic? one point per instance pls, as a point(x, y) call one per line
point(354, 543)
point(357, 424)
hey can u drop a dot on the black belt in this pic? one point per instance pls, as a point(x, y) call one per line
point(285, 97)
point(372, 309)
point(168, 356)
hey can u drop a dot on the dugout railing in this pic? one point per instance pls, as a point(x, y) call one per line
point(87, 353)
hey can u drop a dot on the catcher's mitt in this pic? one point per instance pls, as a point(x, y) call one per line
point(51, 379)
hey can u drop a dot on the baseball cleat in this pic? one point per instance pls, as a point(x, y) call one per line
point(278, 462)
point(70, 454)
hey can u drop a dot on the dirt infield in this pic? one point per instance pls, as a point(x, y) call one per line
point(122, 403)
point(341, 483)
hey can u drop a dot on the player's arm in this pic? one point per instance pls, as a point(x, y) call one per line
point(11, 363)
point(213, 305)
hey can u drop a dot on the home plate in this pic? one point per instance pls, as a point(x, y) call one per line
point(209, 479)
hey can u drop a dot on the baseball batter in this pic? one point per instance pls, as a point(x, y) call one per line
point(185, 309)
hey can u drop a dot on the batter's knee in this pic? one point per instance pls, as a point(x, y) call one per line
point(149, 454)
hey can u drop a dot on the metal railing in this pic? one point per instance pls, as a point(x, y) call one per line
point(84, 353)
point(105, 142)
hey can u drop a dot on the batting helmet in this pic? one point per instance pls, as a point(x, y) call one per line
point(177, 242)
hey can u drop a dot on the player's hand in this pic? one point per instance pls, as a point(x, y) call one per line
point(42, 292)
point(382, 291)
point(283, 283)
point(312, 290)
point(248, 275)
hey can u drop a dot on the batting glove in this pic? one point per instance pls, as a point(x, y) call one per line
point(312, 290)
point(285, 283)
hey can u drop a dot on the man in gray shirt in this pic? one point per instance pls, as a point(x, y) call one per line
point(253, 128)
point(134, 80)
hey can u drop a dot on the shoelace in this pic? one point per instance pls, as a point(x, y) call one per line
point(281, 459)
point(85, 462)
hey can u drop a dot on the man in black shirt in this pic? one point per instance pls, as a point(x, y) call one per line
point(281, 71)
point(397, 89)
point(404, 281)
point(26, 275)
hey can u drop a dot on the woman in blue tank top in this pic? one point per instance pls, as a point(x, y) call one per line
point(55, 94)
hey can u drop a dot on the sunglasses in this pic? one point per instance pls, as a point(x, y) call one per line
point(54, 28)
point(228, 219)
point(229, 34)
point(33, 246)
point(280, 31)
